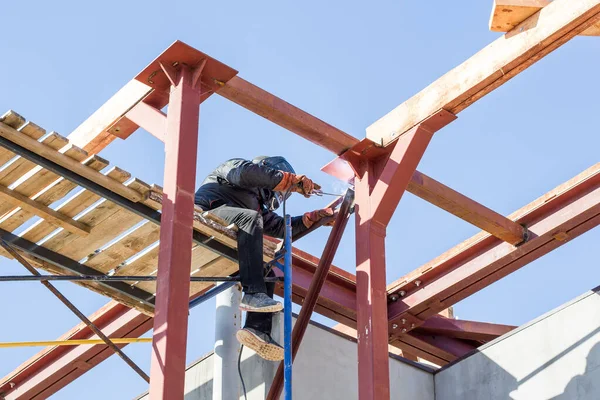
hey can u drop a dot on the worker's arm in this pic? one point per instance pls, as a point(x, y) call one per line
point(274, 225)
point(248, 175)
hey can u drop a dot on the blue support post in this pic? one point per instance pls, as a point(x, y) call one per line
point(211, 293)
point(287, 309)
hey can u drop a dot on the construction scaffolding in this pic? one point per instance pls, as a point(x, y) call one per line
point(153, 239)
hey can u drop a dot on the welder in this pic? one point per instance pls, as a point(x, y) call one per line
point(247, 193)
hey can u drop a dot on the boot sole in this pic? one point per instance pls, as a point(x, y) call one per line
point(265, 350)
point(269, 309)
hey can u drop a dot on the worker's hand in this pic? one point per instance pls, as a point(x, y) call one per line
point(305, 186)
point(297, 183)
point(312, 217)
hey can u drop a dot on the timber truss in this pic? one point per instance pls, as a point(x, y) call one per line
point(117, 225)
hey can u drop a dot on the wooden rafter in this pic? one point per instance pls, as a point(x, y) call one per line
point(491, 67)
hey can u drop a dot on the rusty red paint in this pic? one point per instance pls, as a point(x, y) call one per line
point(286, 115)
point(573, 207)
point(174, 258)
point(382, 178)
point(371, 297)
point(214, 74)
point(399, 168)
point(444, 197)
point(449, 348)
point(462, 329)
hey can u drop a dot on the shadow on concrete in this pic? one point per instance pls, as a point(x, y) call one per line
point(250, 371)
point(587, 385)
point(488, 373)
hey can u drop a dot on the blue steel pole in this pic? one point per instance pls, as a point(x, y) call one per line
point(211, 293)
point(287, 310)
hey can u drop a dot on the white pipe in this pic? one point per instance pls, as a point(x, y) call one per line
point(228, 319)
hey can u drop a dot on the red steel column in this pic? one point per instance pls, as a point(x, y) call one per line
point(173, 286)
point(371, 296)
point(380, 184)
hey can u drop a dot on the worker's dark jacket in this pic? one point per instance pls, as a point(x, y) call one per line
point(241, 183)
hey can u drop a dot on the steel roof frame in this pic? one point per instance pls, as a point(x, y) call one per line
point(382, 166)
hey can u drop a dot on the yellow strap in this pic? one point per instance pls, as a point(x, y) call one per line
point(74, 342)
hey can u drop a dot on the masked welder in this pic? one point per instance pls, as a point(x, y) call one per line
point(246, 193)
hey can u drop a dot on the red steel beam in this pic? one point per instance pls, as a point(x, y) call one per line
point(554, 219)
point(286, 115)
point(149, 118)
point(327, 136)
point(466, 209)
point(380, 183)
point(451, 348)
point(461, 329)
point(402, 163)
point(167, 371)
point(53, 368)
point(443, 197)
point(371, 297)
point(314, 289)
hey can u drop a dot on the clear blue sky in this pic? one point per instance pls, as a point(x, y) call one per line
point(348, 63)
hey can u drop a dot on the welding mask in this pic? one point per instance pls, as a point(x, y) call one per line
point(270, 198)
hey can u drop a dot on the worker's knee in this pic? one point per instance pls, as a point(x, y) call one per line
point(250, 221)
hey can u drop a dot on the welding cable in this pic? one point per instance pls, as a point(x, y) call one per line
point(240, 372)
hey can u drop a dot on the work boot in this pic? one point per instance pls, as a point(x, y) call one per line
point(259, 302)
point(261, 343)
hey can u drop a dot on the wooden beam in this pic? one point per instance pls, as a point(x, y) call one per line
point(286, 115)
point(530, 41)
point(92, 135)
point(44, 212)
point(39, 148)
point(506, 14)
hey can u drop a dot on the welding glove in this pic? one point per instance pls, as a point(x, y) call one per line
point(312, 217)
point(297, 183)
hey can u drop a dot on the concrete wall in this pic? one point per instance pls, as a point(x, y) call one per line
point(325, 368)
point(557, 357)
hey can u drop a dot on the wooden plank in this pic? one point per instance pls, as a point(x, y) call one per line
point(51, 193)
point(66, 162)
point(107, 220)
point(30, 129)
point(204, 263)
point(38, 178)
point(92, 135)
point(533, 39)
point(144, 263)
point(72, 207)
point(506, 14)
point(21, 166)
point(43, 211)
point(218, 267)
point(126, 247)
point(12, 119)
